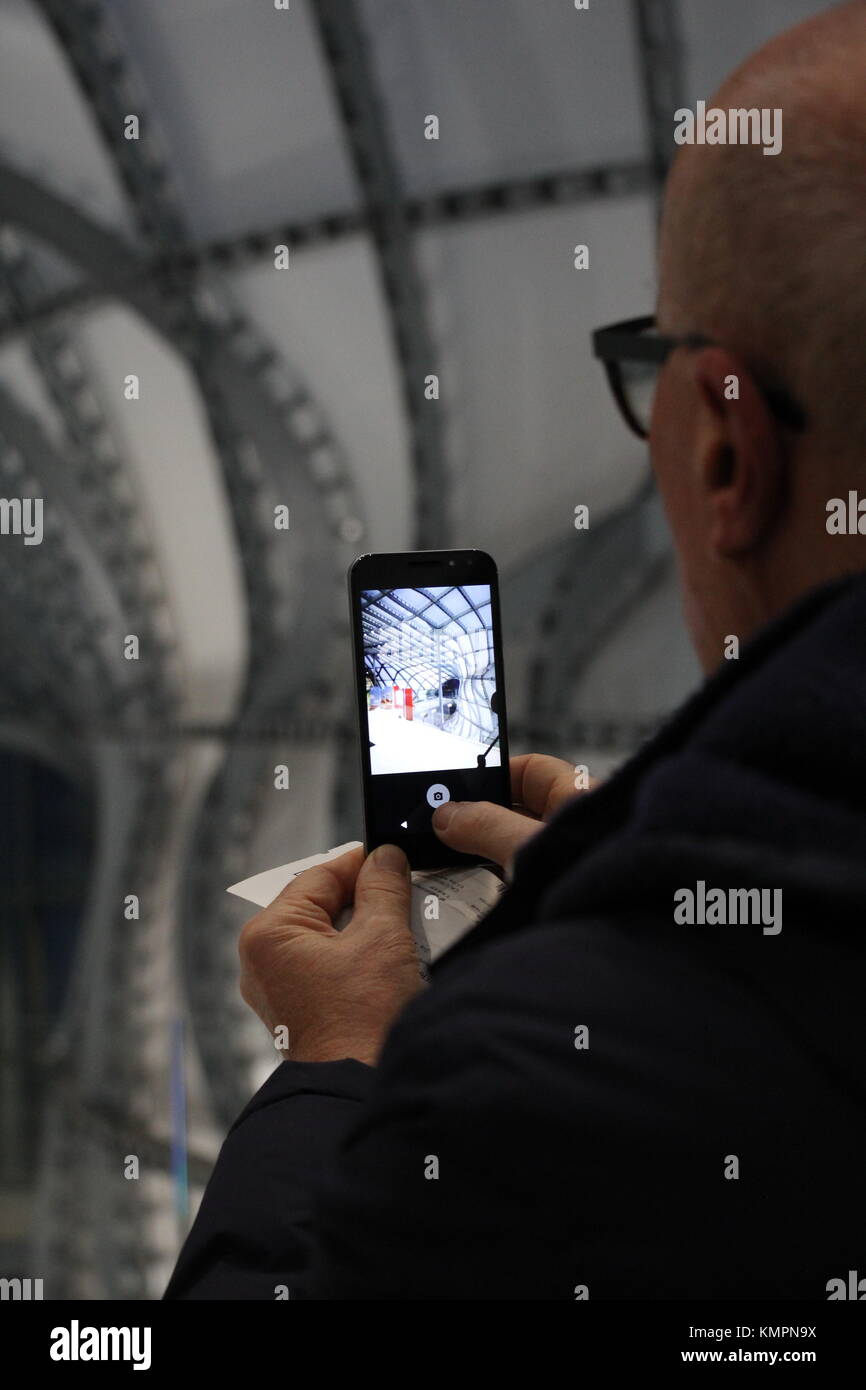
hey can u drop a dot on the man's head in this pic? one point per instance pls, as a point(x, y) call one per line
point(766, 255)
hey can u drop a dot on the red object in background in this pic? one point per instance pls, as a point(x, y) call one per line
point(398, 698)
point(408, 706)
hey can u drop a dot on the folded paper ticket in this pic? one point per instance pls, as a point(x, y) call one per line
point(445, 902)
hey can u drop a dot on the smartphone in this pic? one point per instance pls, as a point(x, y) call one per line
point(430, 694)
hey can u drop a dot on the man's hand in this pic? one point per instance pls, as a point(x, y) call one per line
point(539, 786)
point(336, 993)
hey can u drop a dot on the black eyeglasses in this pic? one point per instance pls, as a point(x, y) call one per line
point(633, 353)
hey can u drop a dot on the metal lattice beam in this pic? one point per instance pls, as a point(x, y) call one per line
point(590, 589)
point(273, 445)
point(238, 415)
point(119, 684)
point(660, 51)
point(248, 402)
point(450, 207)
point(347, 54)
point(118, 975)
point(87, 484)
point(625, 556)
point(61, 600)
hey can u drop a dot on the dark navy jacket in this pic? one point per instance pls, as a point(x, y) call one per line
point(609, 1166)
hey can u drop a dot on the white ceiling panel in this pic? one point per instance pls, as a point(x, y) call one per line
point(45, 128)
point(244, 109)
point(519, 86)
point(531, 431)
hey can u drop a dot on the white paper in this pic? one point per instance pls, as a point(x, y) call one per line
point(262, 888)
point(461, 897)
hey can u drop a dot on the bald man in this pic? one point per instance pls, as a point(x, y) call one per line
point(642, 1076)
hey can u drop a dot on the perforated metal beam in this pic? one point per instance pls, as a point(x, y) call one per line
point(87, 485)
point(121, 976)
point(72, 548)
point(346, 50)
point(590, 587)
point(660, 51)
point(273, 445)
point(450, 207)
point(606, 572)
point(289, 434)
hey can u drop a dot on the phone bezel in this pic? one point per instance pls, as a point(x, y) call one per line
point(412, 569)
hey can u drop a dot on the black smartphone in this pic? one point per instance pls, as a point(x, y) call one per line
point(430, 693)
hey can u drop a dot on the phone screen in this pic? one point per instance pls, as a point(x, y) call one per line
point(430, 693)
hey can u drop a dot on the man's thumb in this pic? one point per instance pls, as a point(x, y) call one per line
point(384, 887)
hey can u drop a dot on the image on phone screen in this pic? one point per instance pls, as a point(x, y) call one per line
point(431, 679)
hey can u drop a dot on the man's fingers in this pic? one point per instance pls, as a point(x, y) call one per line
point(541, 783)
point(383, 891)
point(482, 827)
point(322, 890)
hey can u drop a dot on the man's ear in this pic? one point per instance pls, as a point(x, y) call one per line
point(741, 455)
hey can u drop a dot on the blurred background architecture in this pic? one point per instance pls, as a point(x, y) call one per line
point(234, 252)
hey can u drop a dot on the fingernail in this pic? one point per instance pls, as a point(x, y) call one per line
point(390, 857)
point(442, 815)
